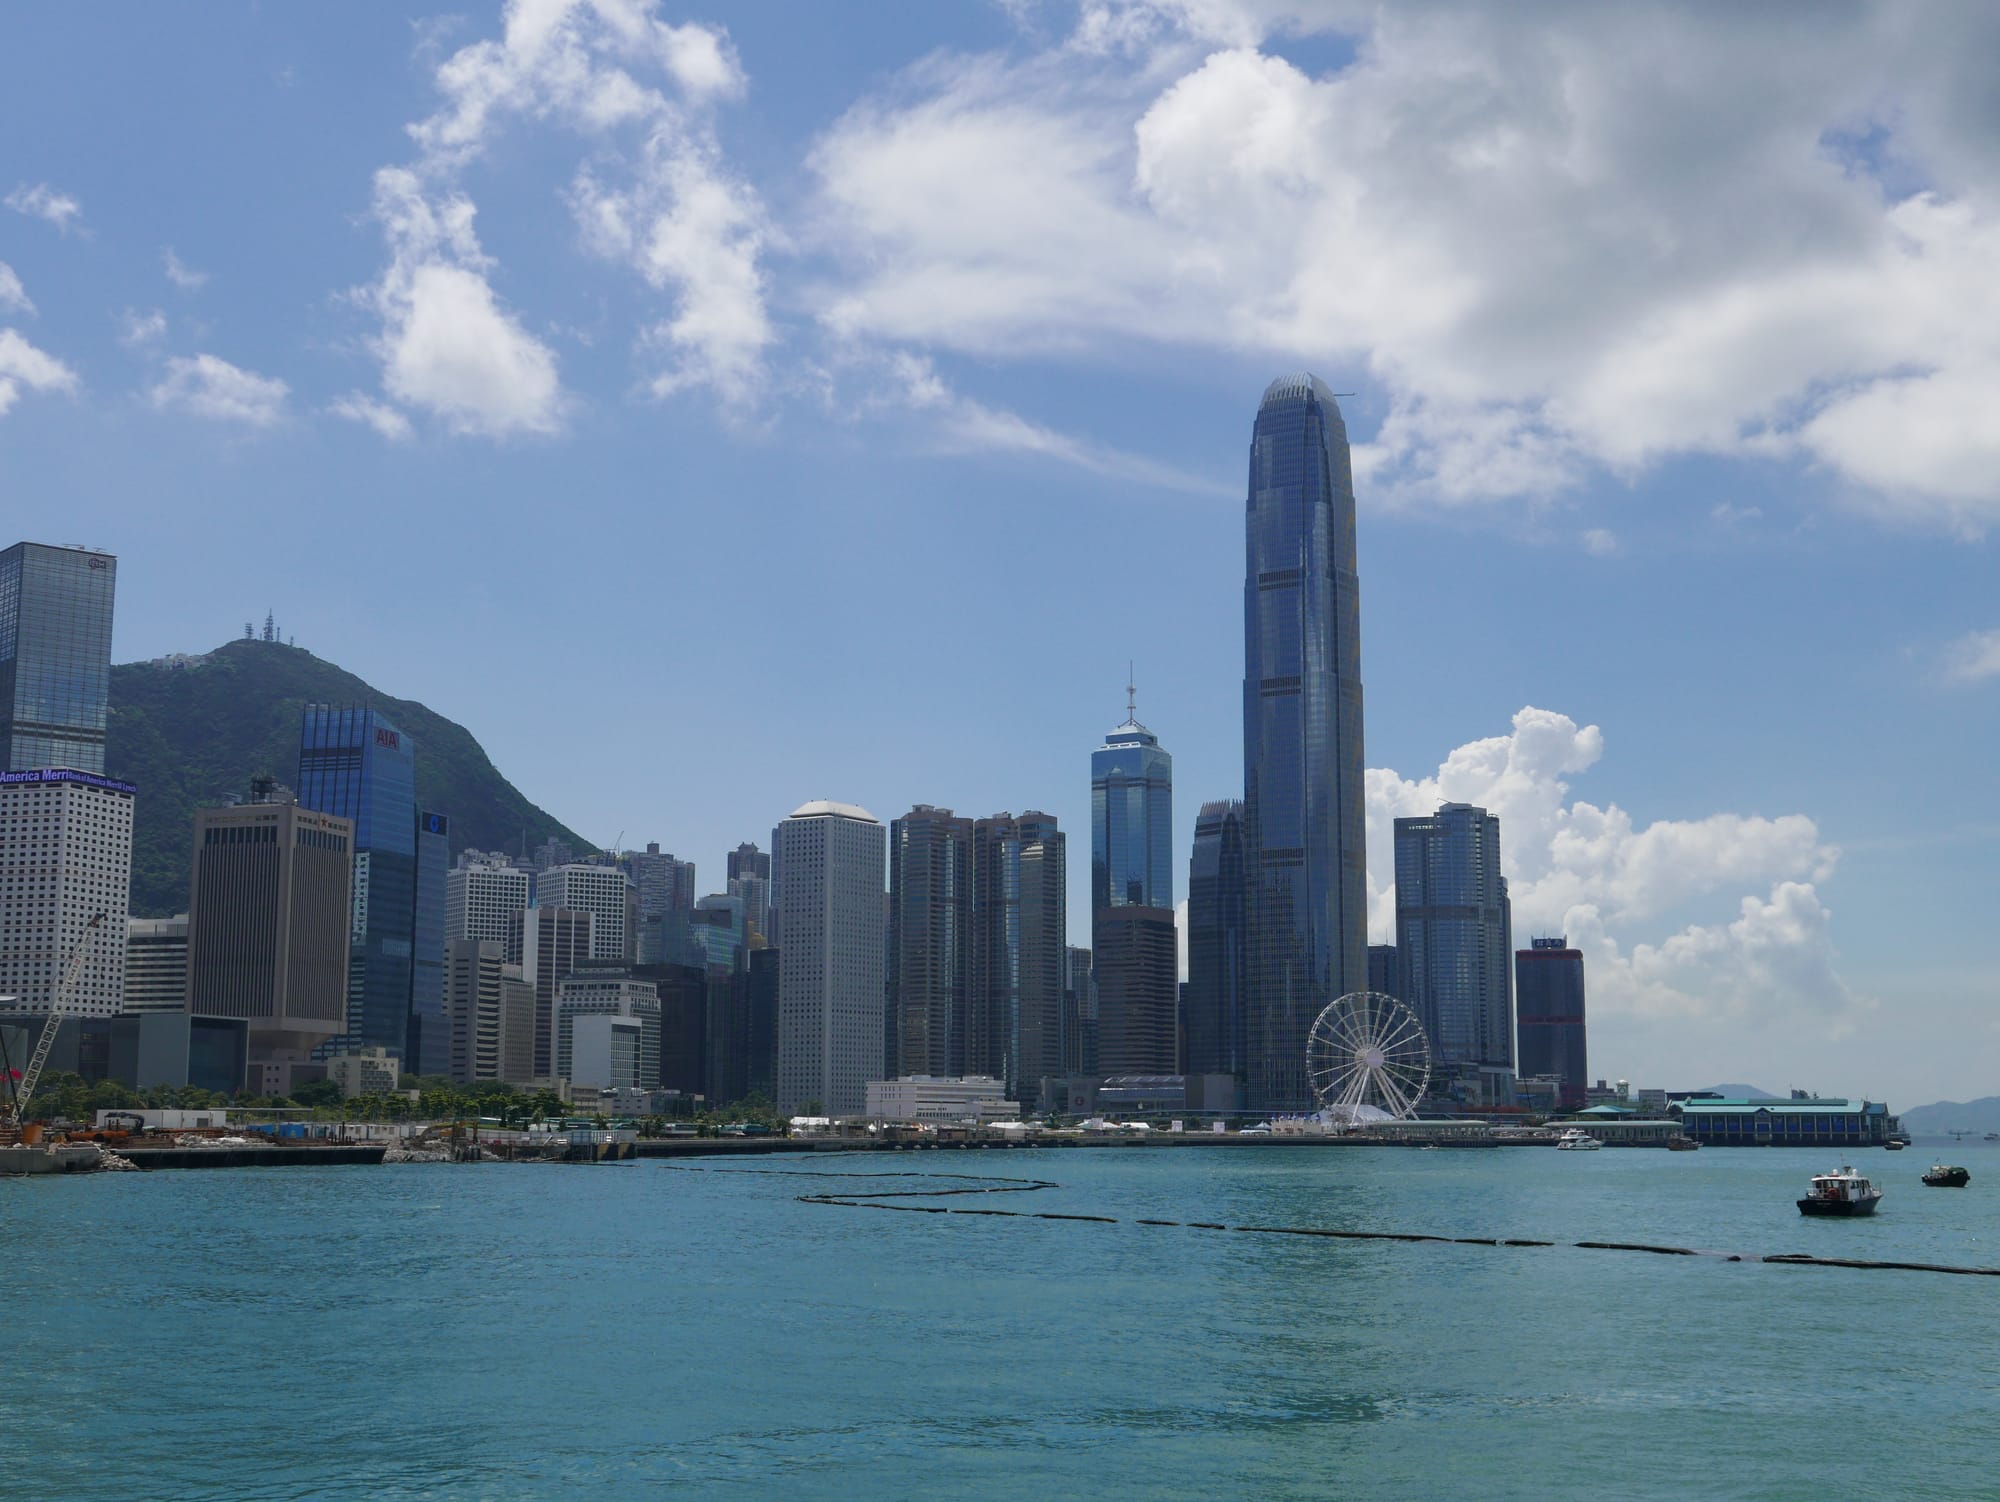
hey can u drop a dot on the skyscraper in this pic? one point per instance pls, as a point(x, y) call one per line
point(55, 656)
point(1454, 945)
point(663, 883)
point(1134, 953)
point(485, 896)
point(65, 858)
point(826, 868)
point(750, 878)
point(602, 892)
point(930, 942)
point(429, 1048)
point(268, 930)
point(1020, 942)
point(156, 952)
point(1548, 996)
point(1302, 758)
point(355, 764)
point(555, 942)
point(1212, 1016)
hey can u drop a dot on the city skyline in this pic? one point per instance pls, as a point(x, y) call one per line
point(1690, 544)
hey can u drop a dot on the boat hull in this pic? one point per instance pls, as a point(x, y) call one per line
point(1838, 1207)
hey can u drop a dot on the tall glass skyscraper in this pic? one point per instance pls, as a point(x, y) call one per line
point(1131, 820)
point(1212, 1016)
point(355, 763)
point(1455, 947)
point(1302, 766)
point(55, 656)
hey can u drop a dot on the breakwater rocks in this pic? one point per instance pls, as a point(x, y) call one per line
point(257, 1156)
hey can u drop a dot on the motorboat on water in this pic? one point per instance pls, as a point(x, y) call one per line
point(1943, 1177)
point(1682, 1144)
point(1893, 1145)
point(1842, 1193)
point(1577, 1140)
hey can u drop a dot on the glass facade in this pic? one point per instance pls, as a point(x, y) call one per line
point(930, 942)
point(1014, 1015)
point(1131, 821)
point(354, 763)
point(1212, 1013)
point(1302, 758)
point(55, 656)
point(430, 1034)
point(1548, 999)
point(1454, 937)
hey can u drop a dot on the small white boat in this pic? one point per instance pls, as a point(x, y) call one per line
point(1843, 1193)
point(1577, 1140)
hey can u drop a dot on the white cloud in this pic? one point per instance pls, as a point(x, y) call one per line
point(210, 387)
point(447, 345)
point(1550, 252)
point(43, 202)
point(182, 275)
point(384, 419)
point(13, 296)
point(955, 423)
point(1592, 873)
point(1973, 658)
point(23, 367)
point(137, 330)
point(1599, 543)
point(655, 196)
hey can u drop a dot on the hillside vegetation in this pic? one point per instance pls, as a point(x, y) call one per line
point(193, 736)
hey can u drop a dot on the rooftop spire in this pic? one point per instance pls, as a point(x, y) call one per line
point(1131, 694)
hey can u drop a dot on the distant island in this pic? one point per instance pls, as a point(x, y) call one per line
point(1981, 1115)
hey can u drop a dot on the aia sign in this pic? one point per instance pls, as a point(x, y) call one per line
point(388, 739)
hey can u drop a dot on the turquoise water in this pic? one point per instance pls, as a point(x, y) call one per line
point(644, 1330)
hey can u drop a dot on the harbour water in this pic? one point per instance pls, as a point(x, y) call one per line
point(651, 1329)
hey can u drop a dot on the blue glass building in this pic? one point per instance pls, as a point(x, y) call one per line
point(429, 1048)
point(355, 763)
point(1455, 948)
point(1212, 1015)
point(1131, 820)
point(1302, 760)
point(55, 656)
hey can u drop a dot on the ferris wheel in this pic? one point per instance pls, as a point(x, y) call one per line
point(1367, 1058)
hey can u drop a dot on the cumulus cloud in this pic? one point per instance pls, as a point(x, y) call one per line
point(1600, 543)
point(13, 296)
point(384, 419)
point(1973, 658)
point(43, 202)
point(1623, 892)
point(447, 345)
point(1552, 254)
point(181, 274)
point(655, 196)
point(213, 388)
point(25, 368)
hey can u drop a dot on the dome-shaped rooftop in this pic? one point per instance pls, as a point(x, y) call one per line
point(823, 806)
point(1296, 388)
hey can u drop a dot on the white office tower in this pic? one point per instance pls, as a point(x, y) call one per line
point(156, 964)
point(827, 878)
point(589, 1051)
point(484, 897)
point(601, 891)
point(65, 857)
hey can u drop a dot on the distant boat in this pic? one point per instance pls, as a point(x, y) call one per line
point(1894, 1146)
point(1577, 1140)
point(1843, 1193)
point(1941, 1177)
point(1682, 1144)
point(1993, 1136)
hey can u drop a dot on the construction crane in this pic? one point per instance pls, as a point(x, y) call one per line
point(65, 992)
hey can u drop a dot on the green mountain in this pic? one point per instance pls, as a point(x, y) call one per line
point(192, 732)
point(1982, 1115)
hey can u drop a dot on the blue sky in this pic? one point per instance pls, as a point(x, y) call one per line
point(716, 409)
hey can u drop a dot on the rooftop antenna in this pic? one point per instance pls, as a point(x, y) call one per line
point(1131, 694)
